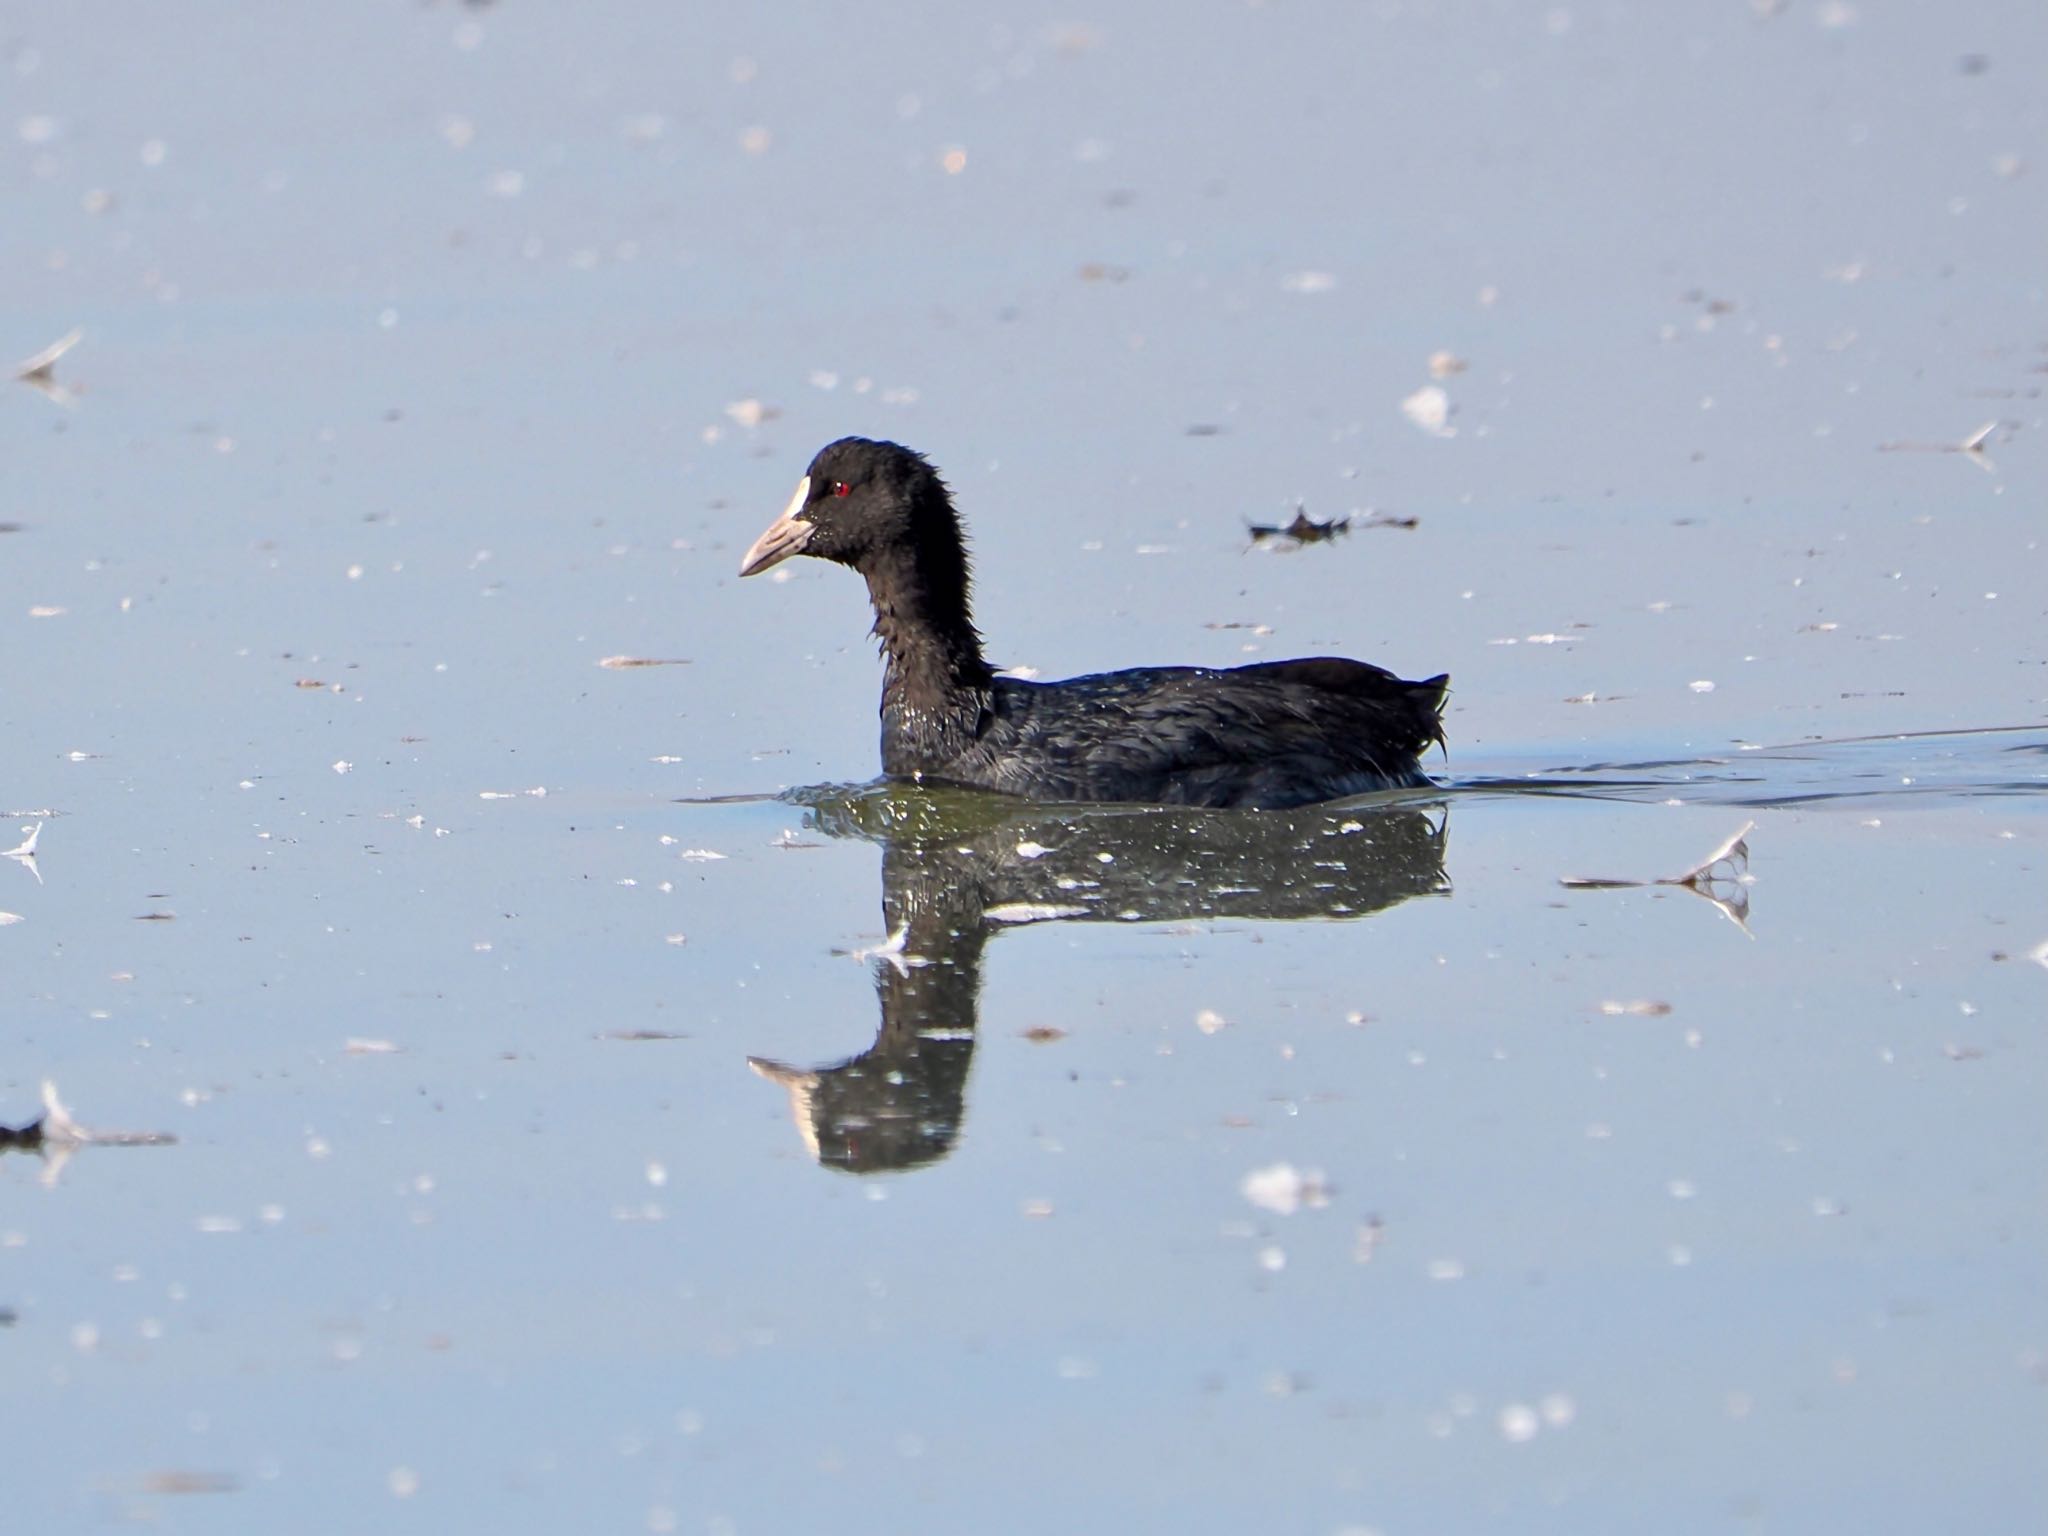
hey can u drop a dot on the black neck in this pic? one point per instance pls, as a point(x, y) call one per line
point(935, 682)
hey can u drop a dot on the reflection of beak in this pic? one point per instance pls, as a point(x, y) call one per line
point(783, 537)
point(801, 1086)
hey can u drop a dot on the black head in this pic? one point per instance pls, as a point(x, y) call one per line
point(858, 502)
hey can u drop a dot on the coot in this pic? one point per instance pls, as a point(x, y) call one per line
point(1277, 733)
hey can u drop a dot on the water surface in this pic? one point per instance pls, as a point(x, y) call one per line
point(597, 1106)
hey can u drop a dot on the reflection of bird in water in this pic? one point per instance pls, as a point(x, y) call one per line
point(1276, 733)
point(958, 866)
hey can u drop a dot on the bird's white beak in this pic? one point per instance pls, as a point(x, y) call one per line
point(783, 537)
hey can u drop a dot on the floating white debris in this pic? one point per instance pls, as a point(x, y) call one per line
point(895, 949)
point(1284, 1189)
point(41, 369)
point(365, 1047)
point(1722, 877)
point(751, 412)
point(1519, 1423)
point(1030, 850)
point(1309, 282)
point(8, 919)
point(343, 766)
point(1430, 409)
point(1210, 1022)
point(24, 852)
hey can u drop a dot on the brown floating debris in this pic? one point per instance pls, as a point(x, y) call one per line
point(618, 663)
point(1722, 877)
point(1044, 1034)
point(1303, 530)
point(175, 1482)
point(641, 1034)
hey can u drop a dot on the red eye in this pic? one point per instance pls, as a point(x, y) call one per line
point(841, 488)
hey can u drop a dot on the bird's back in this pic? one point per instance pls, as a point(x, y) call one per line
point(1270, 735)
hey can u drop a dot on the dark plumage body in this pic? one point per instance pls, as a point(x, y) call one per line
point(1273, 734)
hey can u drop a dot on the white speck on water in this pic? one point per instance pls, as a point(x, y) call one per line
point(1284, 1189)
point(1681, 1189)
point(1558, 1410)
point(657, 1174)
point(1701, 685)
point(1210, 1022)
point(1430, 409)
point(1519, 1423)
point(1309, 282)
point(1031, 850)
point(1273, 1259)
point(403, 1482)
point(344, 766)
point(1445, 1269)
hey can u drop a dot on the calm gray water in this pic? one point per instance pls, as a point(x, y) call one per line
point(596, 1111)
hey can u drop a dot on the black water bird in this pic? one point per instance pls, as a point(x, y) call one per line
point(1273, 734)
